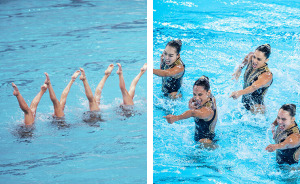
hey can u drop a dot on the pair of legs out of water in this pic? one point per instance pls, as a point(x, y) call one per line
point(94, 100)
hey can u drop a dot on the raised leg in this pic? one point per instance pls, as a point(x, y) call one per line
point(37, 98)
point(58, 111)
point(88, 92)
point(127, 100)
point(22, 102)
point(102, 82)
point(135, 81)
point(28, 118)
point(63, 97)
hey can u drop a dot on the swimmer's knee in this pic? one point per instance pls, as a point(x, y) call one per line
point(206, 141)
point(175, 95)
point(258, 109)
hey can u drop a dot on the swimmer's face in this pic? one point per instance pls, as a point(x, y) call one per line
point(259, 59)
point(170, 55)
point(200, 95)
point(284, 119)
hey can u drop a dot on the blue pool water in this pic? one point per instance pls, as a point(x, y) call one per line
point(216, 36)
point(58, 37)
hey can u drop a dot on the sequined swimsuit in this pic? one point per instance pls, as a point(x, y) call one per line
point(171, 84)
point(250, 76)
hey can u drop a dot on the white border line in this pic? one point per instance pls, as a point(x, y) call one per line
point(150, 91)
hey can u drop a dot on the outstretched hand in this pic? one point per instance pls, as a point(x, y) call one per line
point(170, 118)
point(235, 95)
point(271, 147)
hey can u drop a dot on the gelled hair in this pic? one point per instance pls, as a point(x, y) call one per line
point(203, 81)
point(175, 44)
point(291, 108)
point(266, 49)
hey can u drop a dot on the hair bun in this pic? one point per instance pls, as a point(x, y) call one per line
point(179, 42)
point(267, 45)
point(203, 77)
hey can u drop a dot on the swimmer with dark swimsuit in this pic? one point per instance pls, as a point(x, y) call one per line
point(257, 79)
point(204, 110)
point(29, 112)
point(94, 100)
point(59, 106)
point(286, 136)
point(171, 69)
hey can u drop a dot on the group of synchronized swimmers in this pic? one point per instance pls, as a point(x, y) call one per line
point(94, 100)
point(203, 107)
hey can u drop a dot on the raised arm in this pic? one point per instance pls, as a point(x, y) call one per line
point(169, 72)
point(273, 125)
point(245, 62)
point(262, 81)
point(290, 142)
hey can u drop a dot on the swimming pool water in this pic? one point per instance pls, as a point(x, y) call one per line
point(216, 36)
point(58, 37)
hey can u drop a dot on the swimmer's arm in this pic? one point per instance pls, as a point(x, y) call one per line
point(262, 81)
point(169, 72)
point(245, 62)
point(193, 104)
point(291, 141)
point(161, 61)
point(273, 125)
point(202, 113)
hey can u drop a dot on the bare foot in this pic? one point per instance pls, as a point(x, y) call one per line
point(75, 75)
point(16, 90)
point(47, 81)
point(82, 76)
point(44, 87)
point(120, 69)
point(144, 68)
point(109, 69)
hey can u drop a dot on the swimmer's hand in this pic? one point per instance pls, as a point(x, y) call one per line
point(245, 62)
point(273, 130)
point(170, 118)
point(235, 95)
point(236, 74)
point(161, 60)
point(272, 147)
point(194, 104)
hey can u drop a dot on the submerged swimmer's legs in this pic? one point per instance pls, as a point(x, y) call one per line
point(258, 109)
point(88, 92)
point(58, 111)
point(102, 82)
point(175, 95)
point(135, 81)
point(127, 99)
point(63, 97)
point(29, 117)
point(207, 143)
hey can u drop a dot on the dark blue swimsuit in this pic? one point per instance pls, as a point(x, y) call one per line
point(250, 76)
point(287, 156)
point(171, 84)
point(203, 129)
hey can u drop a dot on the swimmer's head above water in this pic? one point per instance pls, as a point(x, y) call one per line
point(261, 56)
point(201, 91)
point(286, 116)
point(171, 52)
